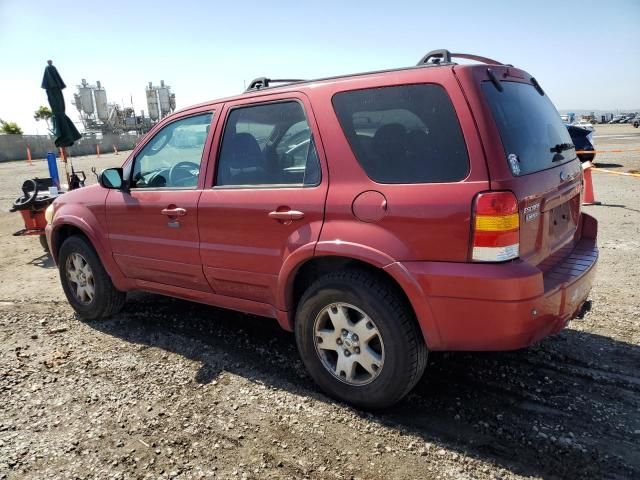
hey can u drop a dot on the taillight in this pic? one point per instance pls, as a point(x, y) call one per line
point(496, 233)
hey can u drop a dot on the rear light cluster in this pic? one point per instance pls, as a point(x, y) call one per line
point(496, 233)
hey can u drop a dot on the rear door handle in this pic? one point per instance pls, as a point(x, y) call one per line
point(287, 215)
point(174, 212)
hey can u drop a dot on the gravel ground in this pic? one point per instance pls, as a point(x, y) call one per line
point(172, 389)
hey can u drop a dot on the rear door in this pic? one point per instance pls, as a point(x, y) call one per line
point(529, 152)
point(264, 200)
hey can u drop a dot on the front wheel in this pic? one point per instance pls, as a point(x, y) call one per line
point(85, 282)
point(359, 340)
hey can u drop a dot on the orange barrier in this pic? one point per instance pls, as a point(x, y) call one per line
point(29, 157)
point(98, 150)
point(115, 150)
point(589, 194)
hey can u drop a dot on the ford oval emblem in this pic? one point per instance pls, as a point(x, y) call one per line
point(563, 176)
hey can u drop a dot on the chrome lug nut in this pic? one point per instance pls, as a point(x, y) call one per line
point(339, 341)
point(347, 353)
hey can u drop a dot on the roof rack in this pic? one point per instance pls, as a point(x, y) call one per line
point(264, 82)
point(442, 56)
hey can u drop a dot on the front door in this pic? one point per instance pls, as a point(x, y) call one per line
point(153, 228)
point(265, 198)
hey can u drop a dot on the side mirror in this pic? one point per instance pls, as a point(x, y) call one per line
point(111, 178)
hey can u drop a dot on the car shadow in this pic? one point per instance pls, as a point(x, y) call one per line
point(607, 165)
point(613, 205)
point(565, 408)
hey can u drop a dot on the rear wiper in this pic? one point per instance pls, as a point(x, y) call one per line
point(561, 147)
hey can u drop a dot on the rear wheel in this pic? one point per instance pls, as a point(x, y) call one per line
point(359, 340)
point(85, 282)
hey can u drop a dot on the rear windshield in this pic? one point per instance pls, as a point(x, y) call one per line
point(404, 134)
point(532, 132)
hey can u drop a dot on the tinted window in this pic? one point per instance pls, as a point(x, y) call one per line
point(405, 134)
point(530, 128)
point(172, 157)
point(268, 144)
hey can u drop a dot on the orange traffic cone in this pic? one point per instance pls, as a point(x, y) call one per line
point(589, 195)
point(97, 150)
point(29, 160)
point(115, 150)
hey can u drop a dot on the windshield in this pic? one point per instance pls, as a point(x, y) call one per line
point(532, 132)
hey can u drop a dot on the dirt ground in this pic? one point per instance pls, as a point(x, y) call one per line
point(171, 389)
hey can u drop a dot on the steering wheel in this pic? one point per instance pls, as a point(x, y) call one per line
point(28, 198)
point(181, 166)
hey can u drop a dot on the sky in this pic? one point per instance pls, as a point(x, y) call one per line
point(585, 54)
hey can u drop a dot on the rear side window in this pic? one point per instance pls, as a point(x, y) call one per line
point(532, 132)
point(268, 144)
point(404, 134)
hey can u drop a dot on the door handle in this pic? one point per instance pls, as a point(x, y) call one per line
point(287, 215)
point(174, 212)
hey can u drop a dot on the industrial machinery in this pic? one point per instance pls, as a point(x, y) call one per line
point(100, 116)
point(160, 101)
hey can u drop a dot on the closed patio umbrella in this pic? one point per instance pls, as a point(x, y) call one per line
point(64, 131)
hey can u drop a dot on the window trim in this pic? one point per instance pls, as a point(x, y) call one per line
point(264, 186)
point(396, 85)
point(208, 139)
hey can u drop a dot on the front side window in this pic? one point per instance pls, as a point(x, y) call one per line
point(172, 157)
point(404, 134)
point(269, 144)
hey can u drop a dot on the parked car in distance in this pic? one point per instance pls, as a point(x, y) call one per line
point(584, 124)
point(378, 216)
point(582, 139)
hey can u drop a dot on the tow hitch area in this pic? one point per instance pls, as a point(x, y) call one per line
point(582, 311)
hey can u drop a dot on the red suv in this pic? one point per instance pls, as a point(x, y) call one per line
point(377, 215)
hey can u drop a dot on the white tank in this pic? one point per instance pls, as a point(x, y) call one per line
point(152, 103)
point(172, 101)
point(102, 109)
point(86, 99)
point(165, 102)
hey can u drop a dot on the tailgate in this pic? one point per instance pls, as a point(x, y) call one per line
point(537, 161)
point(549, 204)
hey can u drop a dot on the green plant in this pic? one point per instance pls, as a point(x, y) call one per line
point(10, 128)
point(43, 113)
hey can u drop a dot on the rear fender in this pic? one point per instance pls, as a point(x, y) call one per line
point(365, 254)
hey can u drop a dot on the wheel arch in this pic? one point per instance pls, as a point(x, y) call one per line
point(67, 226)
point(407, 289)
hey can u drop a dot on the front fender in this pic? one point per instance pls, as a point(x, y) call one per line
point(83, 219)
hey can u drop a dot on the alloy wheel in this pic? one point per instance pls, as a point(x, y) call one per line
point(349, 344)
point(80, 278)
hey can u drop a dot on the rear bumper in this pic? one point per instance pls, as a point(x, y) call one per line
point(505, 306)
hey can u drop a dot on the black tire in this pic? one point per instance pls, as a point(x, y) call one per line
point(107, 300)
point(405, 352)
point(43, 243)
